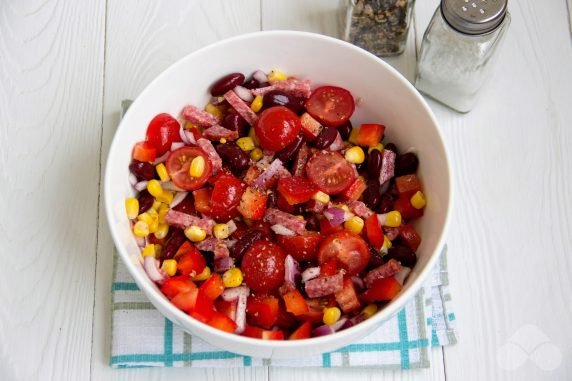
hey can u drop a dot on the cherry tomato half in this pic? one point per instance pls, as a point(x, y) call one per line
point(277, 127)
point(331, 105)
point(162, 131)
point(330, 172)
point(349, 249)
point(263, 266)
point(302, 247)
point(178, 164)
point(225, 198)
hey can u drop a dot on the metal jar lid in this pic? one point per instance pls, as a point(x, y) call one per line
point(474, 16)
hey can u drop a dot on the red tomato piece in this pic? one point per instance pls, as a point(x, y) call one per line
point(349, 249)
point(263, 266)
point(254, 332)
point(190, 261)
point(373, 232)
point(203, 200)
point(163, 130)
point(225, 198)
point(285, 319)
point(227, 308)
point(410, 236)
point(213, 286)
point(329, 268)
point(370, 134)
point(274, 334)
point(347, 298)
point(301, 247)
point(283, 204)
point(331, 105)
point(220, 321)
point(253, 204)
point(277, 127)
point(407, 185)
point(381, 290)
point(296, 190)
point(295, 302)
point(303, 331)
point(355, 190)
point(178, 164)
point(144, 151)
point(176, 285)
point(403, 206)
point(262, 310)
point(186, 301)
point(223, 172)
point(326, 228)
point(330, 172)
point(203, 309)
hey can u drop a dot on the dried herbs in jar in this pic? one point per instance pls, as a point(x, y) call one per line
point(379, 26)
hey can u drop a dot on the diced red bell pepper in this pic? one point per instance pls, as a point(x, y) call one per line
point(223, 172)
point(203, 309)
point(381, 290)
point(311, 128)
point(296, 190)
point(374, 232)
point(303, 331)
point(176, 285)
point(213, 287)
point(410, 236)
point(190, 261)
point(255, 332)
point(285, 319)
point(355, 190)
point(262, 310)
point(259, 333)
point(407, 185)
point(408, 212)
point(283, 204)
point(329, 268)
point(202, 200)
point(326, 228)
point(347, 298)
point(187, 300)
point(221, 321)
point(253, 204)
point(274, 334)
point(144, 151)
point(370, 134)
point(295, 302)
point(227, 307)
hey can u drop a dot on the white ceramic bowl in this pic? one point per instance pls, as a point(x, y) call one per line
point(384, 96)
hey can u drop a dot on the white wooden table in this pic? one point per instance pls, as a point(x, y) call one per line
point(66, 65)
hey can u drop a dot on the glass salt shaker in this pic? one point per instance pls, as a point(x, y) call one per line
point(457, 49)
point(379, 26)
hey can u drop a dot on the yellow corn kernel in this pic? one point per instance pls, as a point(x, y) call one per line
point(162, 172)
point(355, 155)
point(378, 146)
point(132, 207)
point(222, 141)
point(386, 243)
point(277, 75)
point(197, 167)
point(418, 200)
point(158, 249)
point(252, 135)
point(169, 266)
point(246, 144)
point(232, 277)
point(195, 233)
point(354, 135)
point(214, 110)
point(165, 197)
point(221, 231)
point(154, 225)
point(344, 207)
point(162, 230)
point(331, 315)
point(354, 224)
point(369, 311)
point(156, 205)
point(256, 104)
point(163, 209)
point(189, 126)
point(141, 229)
point(256, 154)
point(204, 275)
point(393, 219)
point(322, 197)
point(149, 251)
point(154, 188)
point(145, 217)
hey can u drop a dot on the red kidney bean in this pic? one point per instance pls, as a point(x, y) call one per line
point(272, 200)
point(247, 240)
point(286, 154)
point(391, 147)
point(406, 164)
point(280, 98)
point(326, 137)
point(345, 130)
point(402, 254)
point(142, 170)
point(386, 203)
point(312, 222)
point(362, 168)
point(372, 195)
point(375, 258)
point(145, 201)
point(233, 156)
point(253, 84)
point(176, 239)
point(374, 164)
point(235, 122)
point(298, 209)
point(226, 83)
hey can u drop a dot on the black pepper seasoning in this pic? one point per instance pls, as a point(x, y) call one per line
point(379, 26)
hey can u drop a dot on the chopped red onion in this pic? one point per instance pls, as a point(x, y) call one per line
point(232, 293)
point(230, 243)
point(282, 230)
point(347, 324)
point(241, 313)
point(292, 270)
point(132, 179)
point(339, 324)
point(269, 173)
point(141, 241)
point(223, 263)
point(151, 266)
point(382, 218)
point(161, 158)
point(140, 186)
point(190, 137)
point(322, 330)
point(310, 273)
point(231, 227)
point(402, 274)
point(177, 145)
point(337, 216)
point(338, 143)
point(358, 282)
point(183, 135)
point(244, 94)
point(260, 76)
point(357, 319)
point(179, 197)
point(168, 185)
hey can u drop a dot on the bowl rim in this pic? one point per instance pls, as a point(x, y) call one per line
point(366, 326)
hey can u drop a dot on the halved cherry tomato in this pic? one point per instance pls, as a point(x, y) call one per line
point(295, 302)
point(331, 105)
point(349, 249)
point(263, 266)
point(189, 260)
point(253, 204)
point(410, 236)
point(178, 164)
point(302, 247)
point(296, 190)
point(225, 198)
point(220, 321)
point(303, 331)
point(329, 268)
point(144, 151)
point(355, 190)
point(374, 232)
point(277, 127)
point(262, 310)
point(213, 287)
point(382, 289)
point(203, 200)
point(162, 131)
point(330, 172)
point(176, 285)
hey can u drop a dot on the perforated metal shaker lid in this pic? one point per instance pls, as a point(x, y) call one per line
point(474, 16)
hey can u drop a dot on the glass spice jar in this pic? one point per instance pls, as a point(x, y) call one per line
point(379, 26)
point(457, 50)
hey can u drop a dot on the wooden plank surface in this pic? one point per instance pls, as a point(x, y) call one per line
point(51, 70)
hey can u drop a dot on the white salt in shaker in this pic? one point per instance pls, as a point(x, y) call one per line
point(455, 56)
